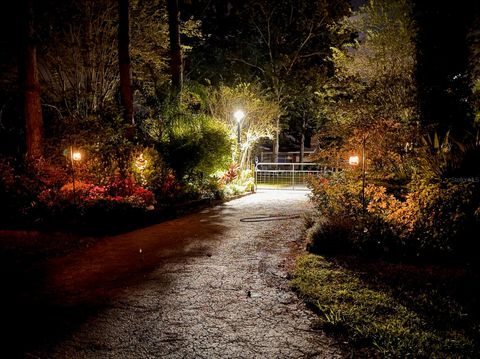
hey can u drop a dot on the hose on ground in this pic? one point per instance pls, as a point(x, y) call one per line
point(270, 218)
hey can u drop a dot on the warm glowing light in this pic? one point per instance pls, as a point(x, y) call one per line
point(140, 162)
point(353, 160)
point(76, 156)
point(239, 115)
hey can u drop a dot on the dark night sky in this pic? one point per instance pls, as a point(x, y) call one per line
point(357, 3)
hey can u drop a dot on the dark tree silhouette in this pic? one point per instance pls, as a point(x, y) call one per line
point(176, 61)
point(124, 61)
point(442, 71)
point(31, 87)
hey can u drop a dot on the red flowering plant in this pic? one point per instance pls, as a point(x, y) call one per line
point(141, 197)
point(82, 190)
point(170, 188)
point(88, 194)
point(231, 174)
point(96, 192)
point(234, 180)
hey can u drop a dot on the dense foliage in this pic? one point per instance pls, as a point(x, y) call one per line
point(430, 220)
point(417, 194)
point(178, 149)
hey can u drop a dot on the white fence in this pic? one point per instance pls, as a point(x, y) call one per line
point(293, 176)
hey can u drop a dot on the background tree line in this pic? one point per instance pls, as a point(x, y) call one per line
point(119, 78)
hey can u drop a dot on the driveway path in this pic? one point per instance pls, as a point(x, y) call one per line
point(207, 285)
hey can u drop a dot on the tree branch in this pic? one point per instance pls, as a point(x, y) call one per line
point(304, 43)
point(246, 63)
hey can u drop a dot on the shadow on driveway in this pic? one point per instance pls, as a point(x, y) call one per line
point(45, 300)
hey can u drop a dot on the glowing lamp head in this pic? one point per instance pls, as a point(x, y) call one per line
point(141, 162)
point(239, 115)
point(353, 160)
point(76, 156)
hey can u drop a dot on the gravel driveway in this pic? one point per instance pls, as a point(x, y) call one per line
point(208, 285)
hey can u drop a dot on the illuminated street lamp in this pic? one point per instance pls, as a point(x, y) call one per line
point(75, 156)
point(354, 161)
point(239, 115)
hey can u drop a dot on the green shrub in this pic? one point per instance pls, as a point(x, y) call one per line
point(148, 167)
point(202, 146)
point(435, 220)
point(336, 195)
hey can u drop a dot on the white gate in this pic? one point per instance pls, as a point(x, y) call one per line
point(290, 176)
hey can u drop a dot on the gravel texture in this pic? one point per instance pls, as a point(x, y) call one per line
point(207, 285)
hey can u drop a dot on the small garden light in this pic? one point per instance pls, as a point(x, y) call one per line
point(239, 115)
point(141, 162)
point(353, 160)
point(76, 156)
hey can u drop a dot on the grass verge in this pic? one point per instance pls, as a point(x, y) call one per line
point(399, 321)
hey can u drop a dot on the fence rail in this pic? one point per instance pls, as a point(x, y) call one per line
point(269, 175)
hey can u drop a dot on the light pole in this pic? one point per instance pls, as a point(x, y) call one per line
point(75, 156)
point(239, 115)
point(363, 175)
point(354, 161)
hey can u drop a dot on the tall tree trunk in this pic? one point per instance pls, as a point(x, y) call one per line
point(31, 88)
point(276, 142)
point(176, 61)
point(124, 61)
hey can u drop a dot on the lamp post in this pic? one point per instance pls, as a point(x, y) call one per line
point(363, 175)
point(239, 115)
point(354, 161)
point(75, 156)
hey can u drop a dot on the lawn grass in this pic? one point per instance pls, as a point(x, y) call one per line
point(392, 310)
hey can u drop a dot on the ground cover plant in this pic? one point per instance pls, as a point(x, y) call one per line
point(393, 310)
